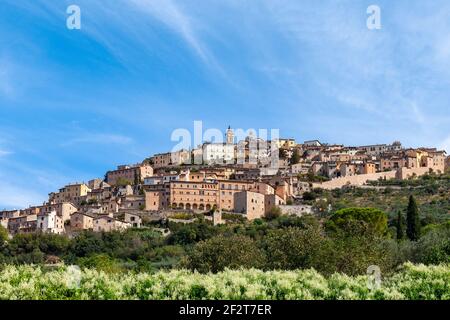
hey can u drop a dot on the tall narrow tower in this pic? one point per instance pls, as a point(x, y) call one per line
point(230, 136)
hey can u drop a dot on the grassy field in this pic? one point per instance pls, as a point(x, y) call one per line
point(32, 282)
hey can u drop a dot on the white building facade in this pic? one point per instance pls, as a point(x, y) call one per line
point(50, 223)
point(218, 153)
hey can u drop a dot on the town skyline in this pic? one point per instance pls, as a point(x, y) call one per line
point(75, 102)
point(26, 202)
point(230, 139)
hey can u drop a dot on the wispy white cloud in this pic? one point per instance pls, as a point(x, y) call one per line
point(98, 139)
point(4, 153)
point(445, 145)
point(169, 13)
point(17, 197)
point(6, 85)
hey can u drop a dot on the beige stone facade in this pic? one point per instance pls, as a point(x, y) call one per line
point(81, 221)
point(250, 203)
point(110, 206)
point(108, 224)
point(228, 189)
point(6, 214)
point(133, 219)
point(63, 210)
point(22, 224)
point(167, 159)
point(192, 195)
point(74, 193)
point(156, 200)
point(272, 200)
point(129, 174)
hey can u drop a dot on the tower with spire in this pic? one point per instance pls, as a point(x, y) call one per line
point(230, 135)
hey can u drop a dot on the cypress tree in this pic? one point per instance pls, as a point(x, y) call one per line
point(136, 178)
point(295, 157)
point(412, 220)
point(400, 226)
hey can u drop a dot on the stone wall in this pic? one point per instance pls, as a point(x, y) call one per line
point(405, 173)
point(361, 179)
point(357, 180)
point(297, 210)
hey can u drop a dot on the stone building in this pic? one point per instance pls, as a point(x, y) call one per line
point(129, 174)
point(250, 204)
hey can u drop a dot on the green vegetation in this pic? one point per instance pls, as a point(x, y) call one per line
point(311, 177)
point(365, 227)
point(295, 157)
point(431, 193)
point(348, 241)
point(400, 226)
point(411, 282)
point(122, 182)
point(273, 213)
point(218, 253)
point(412, 220)
point(233, 217)
point(375, 219)
point(182, 216)
point(3, 235)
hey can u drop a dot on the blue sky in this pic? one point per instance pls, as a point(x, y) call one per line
point(75, 103)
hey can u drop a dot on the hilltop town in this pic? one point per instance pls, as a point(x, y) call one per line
point(217, 179)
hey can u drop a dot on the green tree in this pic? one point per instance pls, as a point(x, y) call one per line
point(185, 234)
point(295, 157)
point(309, 196)
point(137, 179)
point(86, 243)
point(101, 262)
point(374, 219)
point(352, 250)
point(400, 225)
point(3, 235)
point(292, 248)
point(434, 246)
point(273, 213)
point(218, 253)
point(412, 220)
point(122, 182)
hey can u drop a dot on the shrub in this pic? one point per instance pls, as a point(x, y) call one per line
point(101, 262)
point(411, 282)
point(375, 219)
point(273, 213)
point(222, 252)
point(191, 233)
point(292, 248)
point(352, 252)
point(3, 235)
point(434, 246)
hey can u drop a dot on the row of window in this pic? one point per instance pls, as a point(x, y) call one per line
point(201, 200)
